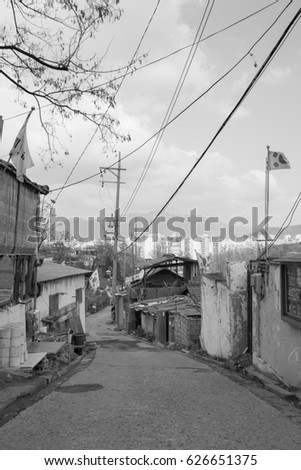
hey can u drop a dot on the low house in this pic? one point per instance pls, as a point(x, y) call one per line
point(186, 267)
point(276, 317)
point(224, 312)
point(175, 319)
point(60, 301)
point(163, 277)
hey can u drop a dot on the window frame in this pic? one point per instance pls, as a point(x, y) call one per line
point(285, 314)
point(79, 295)
point(54, 301)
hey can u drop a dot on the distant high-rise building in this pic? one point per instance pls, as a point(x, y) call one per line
point(187, 247)
point(174, 245)
point(204, 244)
point(214, 248)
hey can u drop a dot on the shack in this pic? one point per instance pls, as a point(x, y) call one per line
point(175, 319)
point(19, 240)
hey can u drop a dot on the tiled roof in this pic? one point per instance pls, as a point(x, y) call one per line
point(52, 271)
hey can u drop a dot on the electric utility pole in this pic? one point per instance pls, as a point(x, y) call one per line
point(116, 233)
point(116, 172)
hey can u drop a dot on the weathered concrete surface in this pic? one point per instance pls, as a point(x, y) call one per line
point(224, 330)
point(276, 343)
point(137, 397)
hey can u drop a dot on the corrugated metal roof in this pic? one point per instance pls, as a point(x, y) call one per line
point(52, 271)
point(215, 276)
point(167, 261)
point(289, 258)
point(194, 289)
point(154, 271)
point(195, 292)
point(176, 304)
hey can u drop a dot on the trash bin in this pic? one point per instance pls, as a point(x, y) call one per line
point(79, 339)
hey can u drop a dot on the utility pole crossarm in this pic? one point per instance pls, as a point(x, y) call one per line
point(116, 232)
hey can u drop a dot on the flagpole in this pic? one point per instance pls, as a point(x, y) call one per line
point(18, 192)
point(267, 185)
point(20, 152)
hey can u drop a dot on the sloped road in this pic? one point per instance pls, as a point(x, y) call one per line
point(136, 396)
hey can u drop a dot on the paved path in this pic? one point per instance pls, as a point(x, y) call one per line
point(136, 396)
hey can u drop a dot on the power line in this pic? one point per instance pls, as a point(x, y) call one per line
point(189, 45)
point(76, 163)
point(291, 215)
point(155, 61)
point(121, 83)
point(167, 116)
point(283, 228)
point(171, 105)
point(188, 106)
point(163, 57)
point(251, 85)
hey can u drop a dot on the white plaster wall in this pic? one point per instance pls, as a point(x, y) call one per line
point(237, 284)
point(276, 343)
point(237, 276)
point(224, 313)
point(215, 331)
point(66, 285)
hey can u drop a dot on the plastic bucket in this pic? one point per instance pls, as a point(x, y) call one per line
point(79, 339)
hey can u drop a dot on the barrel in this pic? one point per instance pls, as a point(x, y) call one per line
point(79, 339)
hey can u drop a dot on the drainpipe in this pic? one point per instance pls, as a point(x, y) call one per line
point(249, 311)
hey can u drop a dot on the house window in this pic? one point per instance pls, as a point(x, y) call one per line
point(79, 295)
point(53, 304)
point(291, 292)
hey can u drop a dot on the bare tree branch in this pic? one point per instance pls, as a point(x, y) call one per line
point(43, 54)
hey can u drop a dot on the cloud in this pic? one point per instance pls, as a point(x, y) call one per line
point(274, 76)
point(225, 107)
point(241, 82)
point(224, 183)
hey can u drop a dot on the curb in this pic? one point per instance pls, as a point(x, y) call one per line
point(252, 374)
point(34, 389)
point(41, 382)
point(270, 385)
point(57, 374)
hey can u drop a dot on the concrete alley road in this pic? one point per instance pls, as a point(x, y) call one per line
point(137, 396)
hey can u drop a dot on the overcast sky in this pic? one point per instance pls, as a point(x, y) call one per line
point(229, 181)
